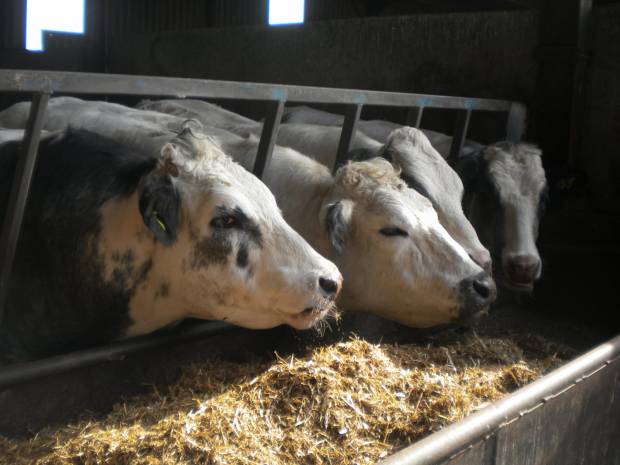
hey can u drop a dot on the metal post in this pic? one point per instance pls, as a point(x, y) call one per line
point(562, 57)
point(19, 194)
point(414, 116)
point(351, 118)
point(460, 134)
point(268, 137)
point(515, 126)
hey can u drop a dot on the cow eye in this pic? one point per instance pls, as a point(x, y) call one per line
point(393, 231)
point(226, 221)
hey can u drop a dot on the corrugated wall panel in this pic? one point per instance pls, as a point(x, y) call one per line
point(227, 13)
point(141, 16)
point(12, 21)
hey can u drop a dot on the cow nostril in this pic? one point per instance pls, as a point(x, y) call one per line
point(328, 285)
point(483, 288)
point(478, 293)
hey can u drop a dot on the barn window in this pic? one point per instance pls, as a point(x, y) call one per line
point(286, 11)
point(56, 15)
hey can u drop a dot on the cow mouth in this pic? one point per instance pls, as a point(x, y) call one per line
point(518, 286)
point(310, 316)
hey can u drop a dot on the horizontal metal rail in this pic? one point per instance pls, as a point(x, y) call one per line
point(58, 82)
point(456, 438)
point(24, 372)
point(115, 84)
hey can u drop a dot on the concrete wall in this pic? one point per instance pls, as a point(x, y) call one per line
point(438, 54)
point(426, 53)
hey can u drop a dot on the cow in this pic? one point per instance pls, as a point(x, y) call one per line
point(396, 259)
point(10, 135)
point(506, 197)
point(117, 243)
point(408, 149)
point(506, 192)
point(140, 130)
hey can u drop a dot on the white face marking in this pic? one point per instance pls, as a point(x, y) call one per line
point(413, 276)
point(426, 170)
point(517, 174)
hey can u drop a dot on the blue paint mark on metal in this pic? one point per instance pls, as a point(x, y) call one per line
point(140, 83)
point(424, 101)
point(279, 94)
point(360, 99)
point(28, 83)
point(469, 104)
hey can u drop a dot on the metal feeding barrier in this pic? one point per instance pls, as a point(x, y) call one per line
point(569, 401)
point(42, 84)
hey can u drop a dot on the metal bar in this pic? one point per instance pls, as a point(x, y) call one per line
point(351, 118)
point(116, 84)
point(19, 194)
point(460, 133)
point(23, 372)
point(268, 137)
point(515, 125)
point(454, 439)
point(414, 117)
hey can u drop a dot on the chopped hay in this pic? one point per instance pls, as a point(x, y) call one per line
point(348, 403)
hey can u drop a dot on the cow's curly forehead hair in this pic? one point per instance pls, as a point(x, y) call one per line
point(366, 176)
point(196, 156)
point(515, 168)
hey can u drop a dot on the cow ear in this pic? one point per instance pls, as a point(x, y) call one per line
point(160, 205)
point(338, 223)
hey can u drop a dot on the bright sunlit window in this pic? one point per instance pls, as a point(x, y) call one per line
point(52, 15)
point(286, 11)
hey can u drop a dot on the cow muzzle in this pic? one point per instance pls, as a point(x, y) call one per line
point(478, 293)
point(522, 271)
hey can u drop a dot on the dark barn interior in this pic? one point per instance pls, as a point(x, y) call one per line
point(542, 53)
point(561, 58)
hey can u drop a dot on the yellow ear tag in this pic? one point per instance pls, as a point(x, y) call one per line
point(158, 220)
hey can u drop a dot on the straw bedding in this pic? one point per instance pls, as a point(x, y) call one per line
point(349, 402)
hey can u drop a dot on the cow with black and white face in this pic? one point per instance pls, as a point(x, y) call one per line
point(231, 221)
point(507, 190)
point(119, 243)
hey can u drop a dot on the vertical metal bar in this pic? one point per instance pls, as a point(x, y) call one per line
point(351, 118)
point(414, 116)
point(268, 137)
point(460, 133)
point(19, 193)
point(515, 125)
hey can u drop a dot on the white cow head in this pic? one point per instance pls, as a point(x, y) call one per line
point(397, 259)
point(509, 188)
point(220, 247)
point(426, 171)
